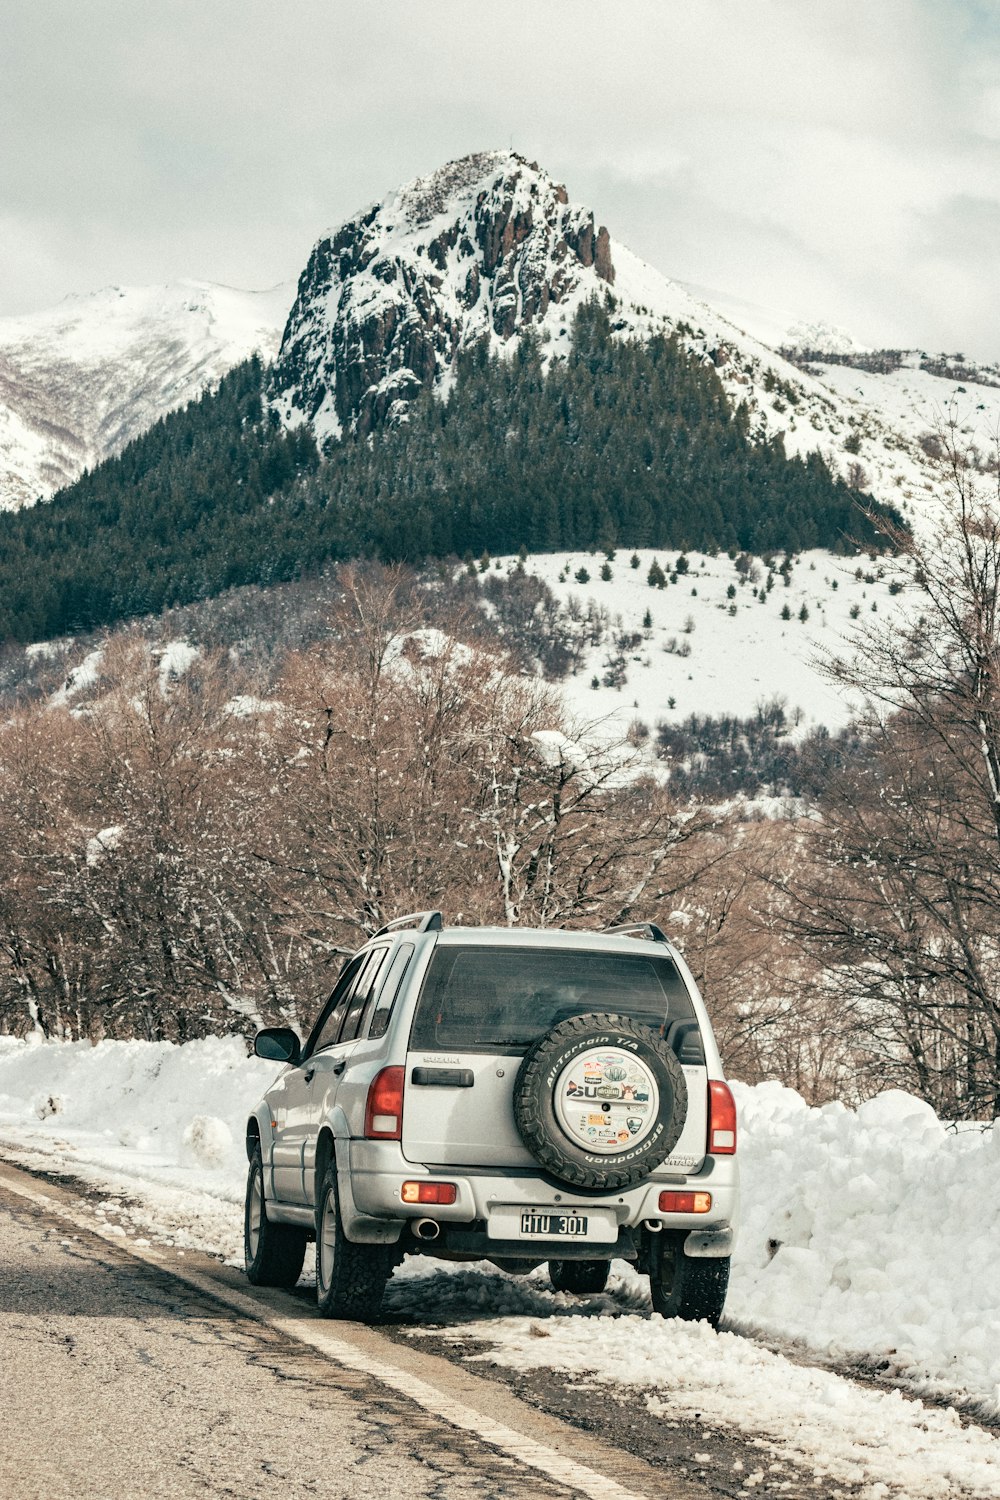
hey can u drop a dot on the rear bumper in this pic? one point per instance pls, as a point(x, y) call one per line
point(371, 1175)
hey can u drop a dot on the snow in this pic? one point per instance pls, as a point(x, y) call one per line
point(814, 1418)
point(83, 378)
point(866, 1234)
point(872, 1231)
point(914, 403)
point(175, 659)
point(79, 679)
point(103, 842)
point(555, 749)
point(413, 653)
point(742, 653)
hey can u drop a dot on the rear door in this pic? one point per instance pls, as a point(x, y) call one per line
point(479, 1010)
point(293, 1098)
point(331, 1058)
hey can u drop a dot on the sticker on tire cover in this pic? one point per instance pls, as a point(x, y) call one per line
point(606, 1101)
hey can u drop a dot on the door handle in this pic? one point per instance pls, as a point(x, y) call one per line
point(444, 1078)
point(338, 1068)
point(308, 1074)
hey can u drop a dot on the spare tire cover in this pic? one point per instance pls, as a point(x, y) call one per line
point(600, 1101)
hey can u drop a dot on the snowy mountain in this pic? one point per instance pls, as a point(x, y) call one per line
point(485, 246)
point(80, 380)
point(491, 245)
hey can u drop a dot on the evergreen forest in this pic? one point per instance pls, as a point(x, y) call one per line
point(623, 443)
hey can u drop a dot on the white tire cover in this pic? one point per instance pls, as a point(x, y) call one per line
point(606, 1101)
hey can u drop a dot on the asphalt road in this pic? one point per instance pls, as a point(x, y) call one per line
point(118, 1379)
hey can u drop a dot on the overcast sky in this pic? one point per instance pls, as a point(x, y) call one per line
point(835, 159)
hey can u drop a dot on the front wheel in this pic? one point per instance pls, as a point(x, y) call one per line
point(687, 1286)
point(350, 1279)
point(579, 1276)
point(273, 1252)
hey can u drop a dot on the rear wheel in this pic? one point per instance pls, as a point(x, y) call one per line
point(579, 1276)
point(350, 1279)
point(273, 1252)
point(692, 1287)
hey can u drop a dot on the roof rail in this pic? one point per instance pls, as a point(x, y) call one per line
point(422, 921)
point(640, 930)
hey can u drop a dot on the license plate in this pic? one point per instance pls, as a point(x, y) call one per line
point(554, 1226)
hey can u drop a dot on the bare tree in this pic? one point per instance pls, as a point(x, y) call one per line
point(904, 904)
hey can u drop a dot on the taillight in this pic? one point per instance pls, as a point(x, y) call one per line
point(685, 1203)
point(384, 1110)
point(721, 1119)
point(429, 1192)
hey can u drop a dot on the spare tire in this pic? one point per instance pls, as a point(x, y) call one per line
point(600, 1101)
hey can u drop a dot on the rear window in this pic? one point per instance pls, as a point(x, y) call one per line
point(486, 998)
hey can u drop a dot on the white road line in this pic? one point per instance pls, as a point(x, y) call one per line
point(518, 1446)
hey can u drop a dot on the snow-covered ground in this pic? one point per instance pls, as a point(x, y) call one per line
point(708, 653)
point(866, 1234)
point(704, 652)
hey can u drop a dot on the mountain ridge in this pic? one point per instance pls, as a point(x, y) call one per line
point(483, 247)
point(79, 380)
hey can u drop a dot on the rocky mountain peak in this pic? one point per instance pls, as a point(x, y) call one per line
point(485, 246)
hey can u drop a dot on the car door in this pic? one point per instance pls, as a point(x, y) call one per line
point(292, 1095)
point(332, 1052)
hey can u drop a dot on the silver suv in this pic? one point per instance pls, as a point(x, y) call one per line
point(512, 1095)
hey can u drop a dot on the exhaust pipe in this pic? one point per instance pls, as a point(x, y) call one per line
point(427, 1229)
point(653, 1226)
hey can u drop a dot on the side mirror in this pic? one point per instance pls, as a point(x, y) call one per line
point(278, 1044)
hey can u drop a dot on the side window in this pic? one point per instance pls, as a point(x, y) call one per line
point(326, 1028)
point(386, 997)
point(363, 991)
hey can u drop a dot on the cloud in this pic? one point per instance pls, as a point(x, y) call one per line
point(811, 156)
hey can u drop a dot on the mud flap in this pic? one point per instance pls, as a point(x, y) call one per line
point(361, 1228)
point(709, 1244)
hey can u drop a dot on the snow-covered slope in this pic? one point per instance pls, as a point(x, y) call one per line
point(707, 650)
point(78, 381)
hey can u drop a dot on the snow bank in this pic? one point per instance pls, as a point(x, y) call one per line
point(868, 1233)
point(160, 1125)
point(872, 1231)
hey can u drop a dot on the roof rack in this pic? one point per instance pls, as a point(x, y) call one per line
point(422, 921)
point(640, 930)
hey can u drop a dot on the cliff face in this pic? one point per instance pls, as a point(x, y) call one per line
point(485, 246)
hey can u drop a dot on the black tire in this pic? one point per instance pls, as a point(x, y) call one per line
point(350, 1279)
point(692, 1287)
point(547, 1062)
point(273, 1252)
point(579, 1276)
